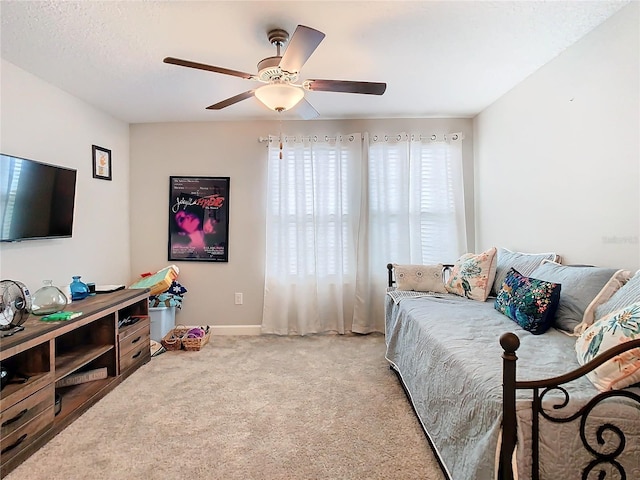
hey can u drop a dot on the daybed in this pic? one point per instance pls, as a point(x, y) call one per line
point(483, 424)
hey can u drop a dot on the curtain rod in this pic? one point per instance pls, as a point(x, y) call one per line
point(375, 138)
point(406, 136)
point(314, 138)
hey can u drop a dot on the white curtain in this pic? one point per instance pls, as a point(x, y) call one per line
point(415, 213)
point(339, 209)
point(313, 207)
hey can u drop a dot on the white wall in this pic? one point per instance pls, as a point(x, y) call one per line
point(557, 158)
point(41, 122)
point(232, 149)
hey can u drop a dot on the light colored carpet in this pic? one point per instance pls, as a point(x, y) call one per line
point(264, 407)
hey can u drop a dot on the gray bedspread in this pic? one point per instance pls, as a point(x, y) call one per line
point(447, 352)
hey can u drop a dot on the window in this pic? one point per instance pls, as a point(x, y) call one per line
point(338, 211)
point(311, 205)
point(416, 201)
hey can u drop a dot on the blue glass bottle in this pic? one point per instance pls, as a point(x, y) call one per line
point(79, 290)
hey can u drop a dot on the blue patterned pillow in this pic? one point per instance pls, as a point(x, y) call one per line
point(530, 302)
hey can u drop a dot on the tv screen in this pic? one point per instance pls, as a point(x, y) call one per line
point(36, 199)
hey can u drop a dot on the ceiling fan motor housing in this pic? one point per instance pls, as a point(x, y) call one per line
point(269, 70)
point(277, 37)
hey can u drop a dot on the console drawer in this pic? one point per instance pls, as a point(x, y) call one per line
point(22, 412)
point(130, 330)
point(14, 393)
point(135, 339)
point(136, 356)
point(22, 437)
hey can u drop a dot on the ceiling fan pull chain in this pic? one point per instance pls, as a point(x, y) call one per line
point(280, 136)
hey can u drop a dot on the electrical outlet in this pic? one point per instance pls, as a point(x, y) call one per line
point(238, 298)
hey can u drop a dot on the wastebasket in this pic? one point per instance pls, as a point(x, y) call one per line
point(162, 319)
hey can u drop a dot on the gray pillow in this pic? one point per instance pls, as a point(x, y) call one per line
point(580, 285)
point(523, 263)
point(628, 294)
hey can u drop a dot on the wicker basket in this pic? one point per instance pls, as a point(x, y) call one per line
point(173, 339)
point(196, 343)
point(177, 339)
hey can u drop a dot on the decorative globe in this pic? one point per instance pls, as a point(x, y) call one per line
point(48, 299)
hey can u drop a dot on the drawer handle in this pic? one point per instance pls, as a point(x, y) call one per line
point(16, 418)
point(137, 355)
point(137, 340)
point(11, 447)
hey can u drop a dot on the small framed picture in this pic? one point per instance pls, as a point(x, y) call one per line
point(101, 163)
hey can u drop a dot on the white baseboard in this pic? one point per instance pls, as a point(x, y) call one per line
point(235, 329)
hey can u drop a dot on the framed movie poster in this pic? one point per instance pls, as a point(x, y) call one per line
point(199, 219)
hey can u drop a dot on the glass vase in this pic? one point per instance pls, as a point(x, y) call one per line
point(79, 290)
point(48, 299)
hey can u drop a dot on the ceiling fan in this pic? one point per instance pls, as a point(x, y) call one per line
point(279, 74)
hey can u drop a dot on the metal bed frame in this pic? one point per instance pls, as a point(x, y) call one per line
point(602, 454)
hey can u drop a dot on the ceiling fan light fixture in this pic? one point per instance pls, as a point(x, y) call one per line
point(279, 96)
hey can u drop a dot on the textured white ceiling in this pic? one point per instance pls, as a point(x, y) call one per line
point(439, 58)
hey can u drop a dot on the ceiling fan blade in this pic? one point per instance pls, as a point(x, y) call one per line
point(346, 86)
point(231, 101)
point(305, 110)
point(302, 44)
point(210, 68)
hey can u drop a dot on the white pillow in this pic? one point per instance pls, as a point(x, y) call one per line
point(419, 278)
point(618, 327)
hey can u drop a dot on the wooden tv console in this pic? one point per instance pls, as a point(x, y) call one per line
point(48, 352)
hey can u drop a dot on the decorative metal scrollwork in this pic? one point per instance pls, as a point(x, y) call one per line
point(610, 438)
point(560, 406)
point(602, 474)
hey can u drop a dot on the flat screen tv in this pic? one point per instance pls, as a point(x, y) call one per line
point(36, 199)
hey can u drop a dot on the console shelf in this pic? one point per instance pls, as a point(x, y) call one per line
point(75, 396)
point(73, 360)
point(47, 352)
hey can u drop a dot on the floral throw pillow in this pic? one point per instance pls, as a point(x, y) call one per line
point(420, 278)
point(618, 327)
point(472, 275)
point(530, 302)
